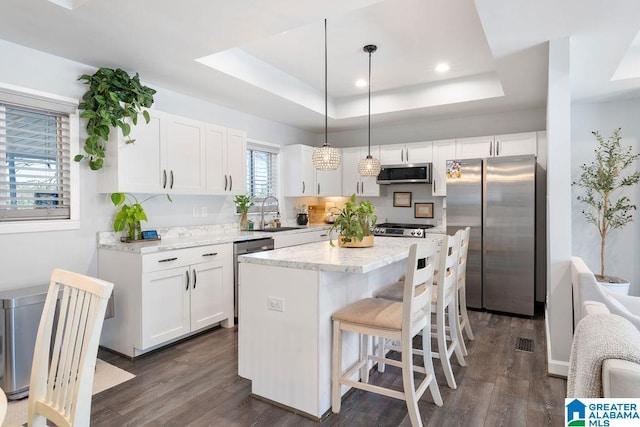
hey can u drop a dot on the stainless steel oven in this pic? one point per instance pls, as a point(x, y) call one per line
point(242, 248)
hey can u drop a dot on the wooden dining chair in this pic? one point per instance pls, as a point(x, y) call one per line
point(62, 373)
point(463, 316)
point(399, 321)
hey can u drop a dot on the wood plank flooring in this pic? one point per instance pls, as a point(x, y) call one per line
point(195, 383)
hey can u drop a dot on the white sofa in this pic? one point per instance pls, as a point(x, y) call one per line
point(620, 378)
point(585, 288)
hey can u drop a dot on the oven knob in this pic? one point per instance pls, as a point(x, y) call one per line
point(413, 232)
point(419, 232)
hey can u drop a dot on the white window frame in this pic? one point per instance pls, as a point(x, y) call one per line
point(31, 98)
point(253, 144)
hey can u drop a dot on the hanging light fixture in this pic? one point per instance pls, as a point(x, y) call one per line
point(326, 158)
point(369, 166)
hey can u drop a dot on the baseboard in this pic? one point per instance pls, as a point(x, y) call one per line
point(555, 368)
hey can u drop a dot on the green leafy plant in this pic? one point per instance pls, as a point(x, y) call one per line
point(130, 214)
point(112, 97)
point(355, 220)
point(601, 179)
point(243, 203)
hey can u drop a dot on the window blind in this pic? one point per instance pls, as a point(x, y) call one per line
point(35, 164)
point(262, 178)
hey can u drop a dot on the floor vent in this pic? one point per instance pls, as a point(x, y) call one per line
point(524, 344)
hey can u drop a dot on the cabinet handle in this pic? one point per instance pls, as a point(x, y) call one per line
point(402, 155)
point(323, 235)
point(434, 185)
point(490, 148)
point(230, 183)
point(318, 188)
point(168, 259)
point(210, 254)
point(171, 186)
point(225, 183)
point(164, 178)
point(497, 148)
point(357, 187)
point(187, 287)
point(362, 187)
point(407, 156)
point(303, 187)
point(195, 278)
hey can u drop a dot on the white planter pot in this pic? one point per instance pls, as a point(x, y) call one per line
point(618, 288)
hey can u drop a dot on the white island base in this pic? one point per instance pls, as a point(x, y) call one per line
point(286, 299)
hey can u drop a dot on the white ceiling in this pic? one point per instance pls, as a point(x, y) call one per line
point(268, 55)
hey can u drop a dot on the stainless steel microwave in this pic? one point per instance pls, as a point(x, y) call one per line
point(409, 173)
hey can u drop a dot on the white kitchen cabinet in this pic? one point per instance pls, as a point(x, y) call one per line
point(496, 146)
point(166, 157)
point(443, 150)
point(165, 296)
point(398, 154)
point(137, 167)
point(352, 182)
point(516, 144)
point(329, 183)
point(226, 160)
point(302, 179)
point(185, 156)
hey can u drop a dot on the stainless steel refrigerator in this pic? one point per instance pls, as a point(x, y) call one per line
point(497, 198)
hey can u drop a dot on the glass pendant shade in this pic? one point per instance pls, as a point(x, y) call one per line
point(369, 166)
point(326, 158)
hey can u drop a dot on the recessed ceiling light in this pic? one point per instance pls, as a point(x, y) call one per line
point(442, 67)
point(361, 83)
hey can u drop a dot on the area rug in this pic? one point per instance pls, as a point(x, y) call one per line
point(106, 376)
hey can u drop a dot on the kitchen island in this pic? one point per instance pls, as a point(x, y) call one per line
point(286, 299)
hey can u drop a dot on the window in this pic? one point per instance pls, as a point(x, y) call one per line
point(36, 166)
point(262, 176)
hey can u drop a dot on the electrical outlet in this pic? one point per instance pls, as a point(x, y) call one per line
point(275, 304)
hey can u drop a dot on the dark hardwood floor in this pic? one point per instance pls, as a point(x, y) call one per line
point(195, 383)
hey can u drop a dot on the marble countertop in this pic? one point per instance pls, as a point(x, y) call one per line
point(187, 237)
point(321, 256)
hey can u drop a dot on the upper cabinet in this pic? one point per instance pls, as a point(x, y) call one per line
point(442, 151)
point(175, 155)
point(496, 146)
point(352, 182)
point(398, 154)
point(302, 179)
point(184, 146)
point(226, 160)
point(299, 173)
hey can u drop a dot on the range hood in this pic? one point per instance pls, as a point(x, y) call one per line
point(414, 173)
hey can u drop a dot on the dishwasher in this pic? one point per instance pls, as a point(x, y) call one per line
point(242, 248)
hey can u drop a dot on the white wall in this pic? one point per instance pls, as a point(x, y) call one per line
point(623, 245)
point(28, 258)
point(443, 128)
point(559, 317)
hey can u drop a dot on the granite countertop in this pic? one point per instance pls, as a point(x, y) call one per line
point(321, 256)
point(187, 237)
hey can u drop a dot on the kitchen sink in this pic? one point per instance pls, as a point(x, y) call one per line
point(275, 230)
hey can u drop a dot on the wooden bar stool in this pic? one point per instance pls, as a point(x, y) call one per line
point(399, 321)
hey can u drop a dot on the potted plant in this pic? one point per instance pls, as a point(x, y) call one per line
point(354, 224)
point(112, 97)
point(243, 203)
point(601, 180)
point(130, 214)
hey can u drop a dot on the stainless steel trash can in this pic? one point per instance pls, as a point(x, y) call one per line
point(19, 321)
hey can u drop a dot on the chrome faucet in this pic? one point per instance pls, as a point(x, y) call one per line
point(262, 224)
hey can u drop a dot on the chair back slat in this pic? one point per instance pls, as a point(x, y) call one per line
point(448, 268)
point(420, 268)
point(462, 262)
point(62, 373)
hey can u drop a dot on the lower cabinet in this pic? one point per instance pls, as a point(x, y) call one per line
point(165, 296)
point(293, 239)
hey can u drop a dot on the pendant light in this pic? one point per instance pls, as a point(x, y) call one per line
point(326, 158)
point(369, 166)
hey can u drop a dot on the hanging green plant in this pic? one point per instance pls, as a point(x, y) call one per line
point(113, 96)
